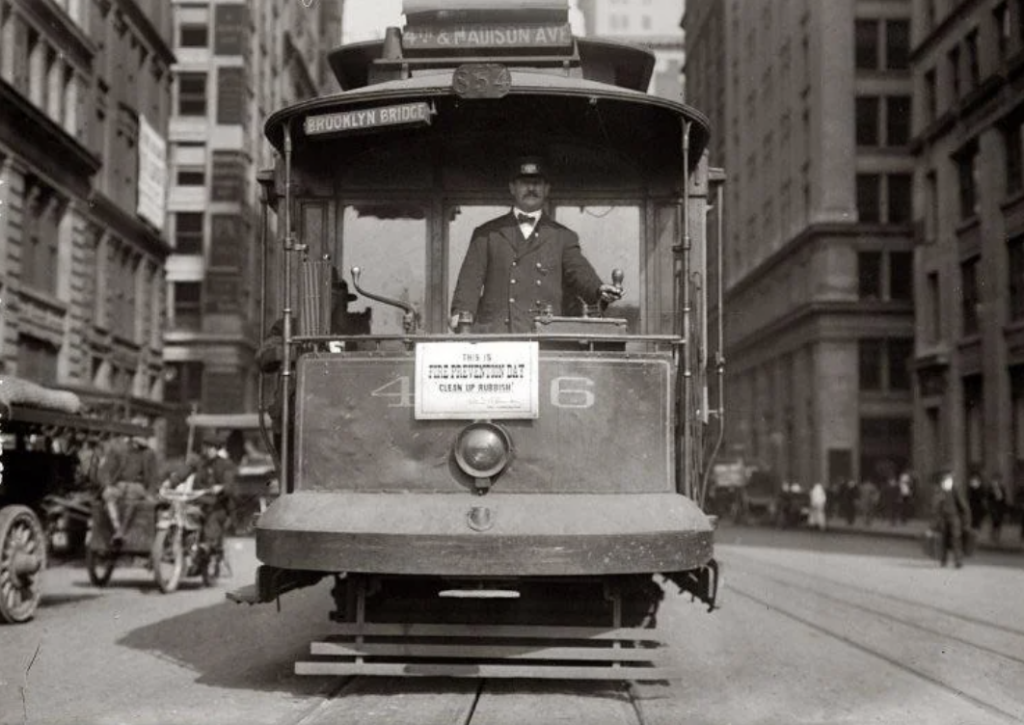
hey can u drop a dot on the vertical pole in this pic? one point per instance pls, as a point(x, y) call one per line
point(286, 365)
point(260, 382)
point(685, 456)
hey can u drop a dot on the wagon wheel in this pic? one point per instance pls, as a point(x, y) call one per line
point(22, 559)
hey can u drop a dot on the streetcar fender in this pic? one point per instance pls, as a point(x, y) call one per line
point(702, 583)
point(272, 582)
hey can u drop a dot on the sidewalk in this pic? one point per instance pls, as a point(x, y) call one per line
point(1009, 541)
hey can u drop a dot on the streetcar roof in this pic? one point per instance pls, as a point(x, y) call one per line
point(524, 82)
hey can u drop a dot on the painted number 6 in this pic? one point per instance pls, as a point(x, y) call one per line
point(570, 392)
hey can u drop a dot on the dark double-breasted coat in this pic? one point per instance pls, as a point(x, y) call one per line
point(505, 278)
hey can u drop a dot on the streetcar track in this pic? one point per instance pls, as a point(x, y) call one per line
point(334, 697)
point(892, 597)
point(826, 631)
point(895, 618)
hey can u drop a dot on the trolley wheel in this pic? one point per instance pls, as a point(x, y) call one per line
point(100, 566)
point(22, 560)
point(168, 556)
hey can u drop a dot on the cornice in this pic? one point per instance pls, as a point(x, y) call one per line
point(41, 141)
point(141, 21)
point(52, 20)
point(128, 226)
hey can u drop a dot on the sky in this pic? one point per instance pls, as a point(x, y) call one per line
point(367, 19)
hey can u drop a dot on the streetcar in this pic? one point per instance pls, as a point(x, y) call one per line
point(490, 503)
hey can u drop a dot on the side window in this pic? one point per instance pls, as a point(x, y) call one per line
point(610, 239)
point(388, 243)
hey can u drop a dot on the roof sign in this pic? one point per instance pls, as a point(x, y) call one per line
point(367, 118)
point(487, 35)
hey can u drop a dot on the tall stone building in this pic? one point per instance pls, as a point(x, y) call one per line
point(812, 103)
point(968, 61)
point(238, 61)
point(653, 24)
point(85, 90)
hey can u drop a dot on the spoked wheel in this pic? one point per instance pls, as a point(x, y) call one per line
point(168, 559)
point(100, 565)
point(22, 561)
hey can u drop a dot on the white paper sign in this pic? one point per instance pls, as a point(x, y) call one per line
point(470, 380)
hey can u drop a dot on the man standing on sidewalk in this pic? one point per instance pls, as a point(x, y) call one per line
point(952, 518)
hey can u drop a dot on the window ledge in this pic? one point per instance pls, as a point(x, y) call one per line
point(44, 299)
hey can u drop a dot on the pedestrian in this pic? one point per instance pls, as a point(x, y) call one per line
point(891, 499)
point(868, 500)
point(850, 494)
point(524, 263)
point(952, 518)
point(129, 475)
point(996, 503)
point(819, 499)
point(906, 493)
point(976, 499)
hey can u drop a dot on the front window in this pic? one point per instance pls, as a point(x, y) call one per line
point(388, 243)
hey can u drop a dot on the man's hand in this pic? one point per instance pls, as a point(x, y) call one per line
point(609, 293)
point(453, 322)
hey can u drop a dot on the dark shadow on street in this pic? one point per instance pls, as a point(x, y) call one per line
point(243, 647)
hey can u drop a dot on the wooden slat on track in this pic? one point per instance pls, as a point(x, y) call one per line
point(552, 672)
point(466, 651)
point(398, 701)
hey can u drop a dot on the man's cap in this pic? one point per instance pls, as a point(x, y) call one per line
point(529, 166)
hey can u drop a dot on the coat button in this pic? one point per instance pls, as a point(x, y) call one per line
point(515, 264)
point(539, 265)
point(511, 281)
point(538, 283)
point(512, 300)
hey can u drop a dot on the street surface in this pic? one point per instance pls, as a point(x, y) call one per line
point(814, 628)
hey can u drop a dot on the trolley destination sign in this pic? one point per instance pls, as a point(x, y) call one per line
point(488, 35)
point(465, 380)
point(367, 118)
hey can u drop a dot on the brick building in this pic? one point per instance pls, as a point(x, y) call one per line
point(85, 88)
point(237, 62)
point(812, 103)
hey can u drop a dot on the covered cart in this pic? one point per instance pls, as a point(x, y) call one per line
point(43, 433)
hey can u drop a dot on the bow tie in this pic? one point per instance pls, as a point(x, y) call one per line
point(525, 219)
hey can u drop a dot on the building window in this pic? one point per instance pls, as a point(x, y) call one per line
point(868, 198)
point(869, 275)
point(194, 35)
point(230, 95)
point(899, 353)
point(931, 201)
point(897, 120)
point(966, 161)
point(973, 69)
point(974, 422)
point(897, 44)
point(871, 353)
point(931, 104)
point(37, 360)
point(191, 177)
point(969, 300)
point(192, 94)
point(901, 276)
point(866, 44)
point(1014, 152)
point(866, 110)
point(954, 71)
point(188, 305)
point(899, 199)
point(44, 212)
point(188, 232)
point(883, 364)
point(183, 382)
point(1001, 21)
point(1015, 249)
point(229, 174)
point(934, 311)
